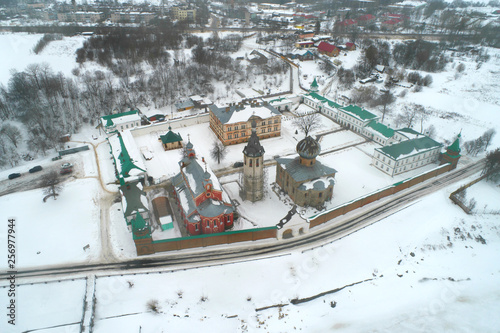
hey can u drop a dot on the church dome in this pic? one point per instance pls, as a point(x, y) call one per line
point(308, 148)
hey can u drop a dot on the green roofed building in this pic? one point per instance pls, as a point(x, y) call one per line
point(379, 132)
point(171, 140)
point(452, 154)
point(135, 203)
point(322, 104)
point(355, 118)
point(119, 122)
point(406, 155)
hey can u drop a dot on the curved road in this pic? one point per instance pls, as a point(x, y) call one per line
point(326, 233)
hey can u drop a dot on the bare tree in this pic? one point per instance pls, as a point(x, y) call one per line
point(385, 99)
point(218, 151)
point(406, 118)
point(12, 133)
point(51, 184)
point(487, 136)
point(307, 123)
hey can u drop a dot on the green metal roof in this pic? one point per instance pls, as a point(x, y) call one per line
point(133, 202)
point(170, 137)
point(409, 130)
point(358, 112)
point(324, 99)
point(118, 115)
point(314, 84)
point(139, 223)
point(125, 160)
point(381, 128)
point(410, 147)
point(455, 146)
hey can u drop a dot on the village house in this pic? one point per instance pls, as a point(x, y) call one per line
point(365, 20)
point(184, 106)
point(304, 178)
point(304, 44)
point(204, 205)
point(350, 46)
point(232, 124)
point(328, 49)
point(301, 54)
point(120, 121)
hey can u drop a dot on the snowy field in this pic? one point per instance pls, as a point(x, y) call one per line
point(53, 307)
point(420, 275)
point(16, 53)
point(54, 232)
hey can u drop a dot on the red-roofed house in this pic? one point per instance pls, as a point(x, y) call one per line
point(345, 24)
point(366, 19)
point(328, 49)
point(350, 46)
point(392, 23)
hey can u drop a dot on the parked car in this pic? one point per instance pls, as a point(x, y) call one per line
point(35, 169)
point(237, 164)
point(14, 175)
point(66, 171)
point(67, 165)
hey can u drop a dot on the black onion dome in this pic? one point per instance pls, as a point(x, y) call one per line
point(308, 148)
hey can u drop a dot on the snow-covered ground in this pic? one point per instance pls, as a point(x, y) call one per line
point(423, 276)
point(55, 231)
point(427, 268)
point(430, 269)
point(16, 53)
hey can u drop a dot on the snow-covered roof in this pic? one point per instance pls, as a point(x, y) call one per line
point(302, 173)
point(120, 118)
point(131, 149)
point(242, 113)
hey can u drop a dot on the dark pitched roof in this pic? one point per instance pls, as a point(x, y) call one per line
point(133, 202)
point(301, 173)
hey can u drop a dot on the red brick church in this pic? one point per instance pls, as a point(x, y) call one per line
point(205, 207)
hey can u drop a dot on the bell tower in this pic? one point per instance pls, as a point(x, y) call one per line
point(253, 168)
